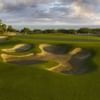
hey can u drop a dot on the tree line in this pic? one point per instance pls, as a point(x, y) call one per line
point(88, 31)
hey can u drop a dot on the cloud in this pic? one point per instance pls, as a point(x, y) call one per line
point(50, 11)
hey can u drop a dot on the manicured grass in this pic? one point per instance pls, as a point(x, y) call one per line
point(33, 82)
point(64, 36)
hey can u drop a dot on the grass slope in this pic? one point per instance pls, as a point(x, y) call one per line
point(34, 83)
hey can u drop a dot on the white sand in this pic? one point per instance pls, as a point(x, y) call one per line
point(59, 68)
point(55, 67)
point(7, 57)
point(43, 52)
point(75, 51)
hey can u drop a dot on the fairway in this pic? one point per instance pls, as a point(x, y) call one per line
point(39, 79)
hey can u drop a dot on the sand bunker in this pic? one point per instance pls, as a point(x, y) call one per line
point(78, 61)
point(3, 38)
point(82, 55)
point(52, 49)
point(73, 63)
point(18, 48)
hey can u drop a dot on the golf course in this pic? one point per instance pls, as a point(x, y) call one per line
point(49, 49)
point(49, 67)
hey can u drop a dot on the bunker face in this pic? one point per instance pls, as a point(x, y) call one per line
point(18, 48)
point(78, 66)
point(84, 54)
point(73, 62)
point(55, 49)
point(78, 62)
point(23, 47)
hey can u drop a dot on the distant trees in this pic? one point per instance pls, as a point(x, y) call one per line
point(71, 31)
point(96, 31)
point(85, 31)
point(37, 31)
point(61, 31)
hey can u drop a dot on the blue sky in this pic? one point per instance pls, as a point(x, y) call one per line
point(50, 12)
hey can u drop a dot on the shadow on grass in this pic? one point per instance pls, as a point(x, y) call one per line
point(91, 64)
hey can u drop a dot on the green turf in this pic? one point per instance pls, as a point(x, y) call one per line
point(33, 82)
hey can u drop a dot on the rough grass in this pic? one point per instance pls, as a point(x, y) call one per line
point(35, 83)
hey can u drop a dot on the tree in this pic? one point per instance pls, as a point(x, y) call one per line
point(62, 31)
point(96, 31)
point(37, 31)
point(71, 31)
point(3, 27)
point(11, 29)
point(26, 31)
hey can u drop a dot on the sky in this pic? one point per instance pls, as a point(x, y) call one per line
point(50, 12)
